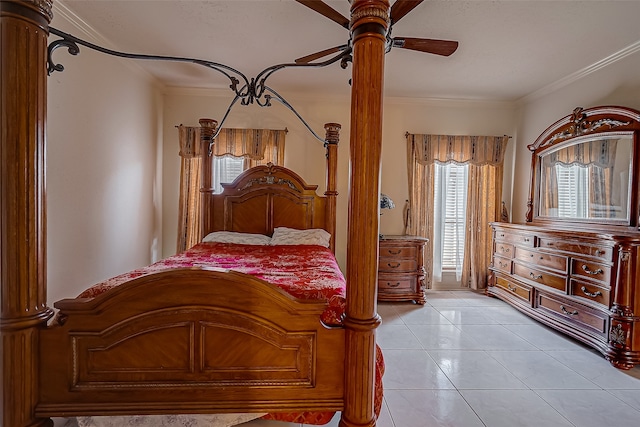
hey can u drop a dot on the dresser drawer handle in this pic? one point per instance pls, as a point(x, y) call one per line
point(590, 294)
point(526, 239)
point(393, 286)
point(503, 264)
point(501, 234)
point(533, 276)
point(599, 252)
point(392, 252)
point(586, 270)
point(505, 250)
point(570, 313)
point(511, 289)
point(393, 266)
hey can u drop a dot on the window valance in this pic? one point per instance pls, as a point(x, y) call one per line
point(460, 149)
point(250, 143)
point(189, 139)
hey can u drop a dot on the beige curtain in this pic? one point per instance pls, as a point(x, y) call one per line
point(259, 146)
point(190, 180)
point(485, 156)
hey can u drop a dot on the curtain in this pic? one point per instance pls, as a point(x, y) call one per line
point(260, 146)
point(483, 206)
point(190, 183)
point(257, 146)
point(485, 156)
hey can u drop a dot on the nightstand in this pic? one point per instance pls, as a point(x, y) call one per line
point(400, 268)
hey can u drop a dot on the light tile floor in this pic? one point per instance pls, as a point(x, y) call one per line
point(466, 360)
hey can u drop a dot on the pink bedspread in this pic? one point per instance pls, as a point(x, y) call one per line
point(303, 271)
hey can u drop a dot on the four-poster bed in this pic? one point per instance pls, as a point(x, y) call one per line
point(30, 394)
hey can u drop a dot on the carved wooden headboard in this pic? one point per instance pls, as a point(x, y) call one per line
point(265, 197)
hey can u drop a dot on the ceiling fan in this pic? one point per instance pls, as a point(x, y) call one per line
point(398, 10)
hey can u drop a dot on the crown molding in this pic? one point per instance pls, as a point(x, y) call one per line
point(91, 34)
point(580, 74)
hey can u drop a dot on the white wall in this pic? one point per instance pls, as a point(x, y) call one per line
point(616, 84)
point(103, 189)
point(305, 154)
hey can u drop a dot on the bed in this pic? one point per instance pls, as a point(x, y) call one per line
point(254, 315)
point(278, 358)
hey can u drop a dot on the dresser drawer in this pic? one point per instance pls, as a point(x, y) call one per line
point(396, 252)
point(590, 270)
point(396, 284)
point(556, 262)
point(502, 264)
point(390, 265)
point(522, 291)
point(516, 238)
point(590, 291)
point(539, 276)
point(603, 253)
point(576, 313)
point(503, 249)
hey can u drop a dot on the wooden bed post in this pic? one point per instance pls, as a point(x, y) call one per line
point(207, 130)
point(369, 25)
point(24, 27)
point(332, 137)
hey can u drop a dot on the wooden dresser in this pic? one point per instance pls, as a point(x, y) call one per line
point(583, 283)
point(400, 269)
point(575, 264)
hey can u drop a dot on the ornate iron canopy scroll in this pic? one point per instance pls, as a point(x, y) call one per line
point(247, 91)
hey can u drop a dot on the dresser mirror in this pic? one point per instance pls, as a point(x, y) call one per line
point(583, 169)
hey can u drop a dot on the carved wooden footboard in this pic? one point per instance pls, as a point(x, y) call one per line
point(190, 340)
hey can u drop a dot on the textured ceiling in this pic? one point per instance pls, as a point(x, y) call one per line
point(508, 49)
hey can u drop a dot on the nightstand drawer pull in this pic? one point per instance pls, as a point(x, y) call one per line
point(397, 264)
point(586, 270)
point(392, 285)
point(511, 289)
point(570, 313)
point(533, 276)
point(392, 252)
point(590, 294)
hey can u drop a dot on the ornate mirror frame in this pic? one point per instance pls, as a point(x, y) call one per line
point(583, 125)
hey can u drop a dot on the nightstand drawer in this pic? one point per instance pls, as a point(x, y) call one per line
point(397, 265)
point(396, 252)
point(400, 284)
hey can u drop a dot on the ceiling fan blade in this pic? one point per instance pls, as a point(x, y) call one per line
point(401, 7)
point(326, 10)
point(320, 54)
point(438, 47)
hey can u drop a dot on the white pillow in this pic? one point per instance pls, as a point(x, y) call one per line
point(236, 237)
point(292, 236)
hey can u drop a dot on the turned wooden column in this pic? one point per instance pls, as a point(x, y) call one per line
point(23, 309)
point(369, 24)
point(332, 137)
point(207, 130)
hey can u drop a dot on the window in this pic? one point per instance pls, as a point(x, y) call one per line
point(573, 191)
point(450, 191)
point(226, 169)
